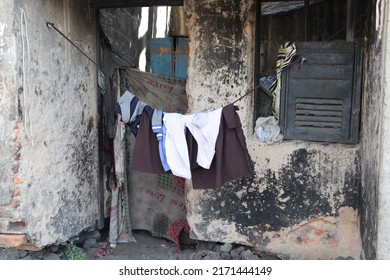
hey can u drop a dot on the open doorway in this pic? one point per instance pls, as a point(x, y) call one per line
point(144, 51)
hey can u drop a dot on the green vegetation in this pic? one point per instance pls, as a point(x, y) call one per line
point(72, 252)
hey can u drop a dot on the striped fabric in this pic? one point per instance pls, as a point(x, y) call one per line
point(286, 56)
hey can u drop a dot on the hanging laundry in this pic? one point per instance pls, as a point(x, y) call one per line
point(203, 126)
point(176, 145)
point(130, 108)
point(286, 56)
point(157, 123)
point(231, 161)
point(119, 231)
point(160, 130)
point(161, 149)
point(146, 156)
point(159, 92)
point(207, 147)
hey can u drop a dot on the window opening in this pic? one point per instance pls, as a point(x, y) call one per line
point(313, 21)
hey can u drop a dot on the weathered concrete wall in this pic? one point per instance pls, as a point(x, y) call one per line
point(9, 147)
point(48, 123)
point(302, 201)
point(372, 100)
point(384, 178)
point(121, 26)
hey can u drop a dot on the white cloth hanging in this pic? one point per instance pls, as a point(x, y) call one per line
point(204, 127)
point(176, 145)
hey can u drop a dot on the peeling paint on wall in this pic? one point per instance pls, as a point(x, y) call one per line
point(218, 51)
point(311, 184)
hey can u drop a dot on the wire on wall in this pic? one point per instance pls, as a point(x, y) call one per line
point(26, 77)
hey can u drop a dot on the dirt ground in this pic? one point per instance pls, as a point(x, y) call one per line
point(146, 247)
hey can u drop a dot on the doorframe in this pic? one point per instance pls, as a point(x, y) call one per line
point(97, 6)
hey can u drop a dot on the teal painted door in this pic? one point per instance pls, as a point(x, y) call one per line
point(181, 58)
point(161, 56)
point(169, 58)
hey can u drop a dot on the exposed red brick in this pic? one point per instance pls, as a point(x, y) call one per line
point(319, 232)
point(307, 240)
point(12, 240)
point(17, 181)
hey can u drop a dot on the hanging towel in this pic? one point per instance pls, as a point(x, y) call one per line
point(205, 128)
point(176, 145)
point(231, 161)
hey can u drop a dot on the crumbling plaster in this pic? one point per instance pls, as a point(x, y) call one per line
point(294, 184)
point(50, 109)
point(7, 102)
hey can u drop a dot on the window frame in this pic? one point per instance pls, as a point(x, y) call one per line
point(350, 30)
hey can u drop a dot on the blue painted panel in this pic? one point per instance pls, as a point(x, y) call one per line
point(181, 58)
point(161, 56)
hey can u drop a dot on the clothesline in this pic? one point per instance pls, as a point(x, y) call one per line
point(51, 25)
point(246, 94)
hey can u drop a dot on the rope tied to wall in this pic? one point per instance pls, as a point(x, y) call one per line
point(51, 25)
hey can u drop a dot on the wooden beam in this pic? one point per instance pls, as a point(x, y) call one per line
point(103, 4)
point(278, 0)
point(256, 74)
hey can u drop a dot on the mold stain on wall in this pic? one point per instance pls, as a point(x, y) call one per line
point(302, 191)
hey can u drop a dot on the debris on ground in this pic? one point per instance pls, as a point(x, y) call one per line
point(93, 245)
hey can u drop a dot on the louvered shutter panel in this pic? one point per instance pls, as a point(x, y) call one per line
point(320, 99)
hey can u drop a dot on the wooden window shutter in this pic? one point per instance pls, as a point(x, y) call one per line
point(320, 99)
